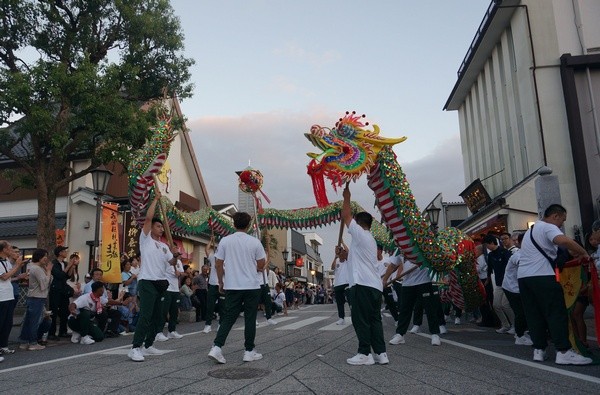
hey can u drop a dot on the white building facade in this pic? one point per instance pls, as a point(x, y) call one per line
point(525, 98)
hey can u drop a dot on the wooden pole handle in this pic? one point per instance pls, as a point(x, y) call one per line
point(163, 214)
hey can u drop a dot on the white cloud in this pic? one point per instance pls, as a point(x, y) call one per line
point(295, 52)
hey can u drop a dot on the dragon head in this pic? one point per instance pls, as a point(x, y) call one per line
point(348, 150)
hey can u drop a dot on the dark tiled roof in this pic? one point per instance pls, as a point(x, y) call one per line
point(25, 226)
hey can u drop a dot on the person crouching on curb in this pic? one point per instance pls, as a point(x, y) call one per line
point(82, 310)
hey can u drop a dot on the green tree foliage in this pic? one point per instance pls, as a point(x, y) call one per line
point(76, 77)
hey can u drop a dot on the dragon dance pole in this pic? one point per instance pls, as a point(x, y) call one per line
point(163, 214)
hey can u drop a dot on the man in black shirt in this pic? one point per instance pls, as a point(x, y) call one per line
point(60, 291)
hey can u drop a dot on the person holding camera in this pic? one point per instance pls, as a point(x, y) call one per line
point(61, 291)
point(541, 293)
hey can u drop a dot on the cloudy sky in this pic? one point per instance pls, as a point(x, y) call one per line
point(266, 70)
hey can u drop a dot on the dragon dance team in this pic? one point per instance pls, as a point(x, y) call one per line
point(517, 272)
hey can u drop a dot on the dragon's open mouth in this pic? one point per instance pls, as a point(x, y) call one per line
point(319, 142)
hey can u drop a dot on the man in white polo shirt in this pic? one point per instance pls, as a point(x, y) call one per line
point(542, 295)
point(242, 256)
point(365, 287)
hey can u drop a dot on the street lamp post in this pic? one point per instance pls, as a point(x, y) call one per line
point(100, 178)
point(312, 273)
point(433, 213)
point(285, 254)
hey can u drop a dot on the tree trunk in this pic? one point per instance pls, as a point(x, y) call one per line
point(46, 225)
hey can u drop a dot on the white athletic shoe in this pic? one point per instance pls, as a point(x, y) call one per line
point(174, 335)
point(511, 331)
point(539, 355)
point(381, 359)
point(443, 330)
point(415, 329)
point(216, 354)
point(250, 356)
point(160, 337)
point(151, 351)
point(523, 341)
point(206, 329)
point(457, 321)
point(341, 321)
point(135, 354)
point(397, 339)
point(87, 340)
point(361, 359)
point(570, 357)
point(502, 330)
point(435, 340)
point(271, 321)
point(75, 338)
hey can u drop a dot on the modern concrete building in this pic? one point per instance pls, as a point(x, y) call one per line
point(526, 98)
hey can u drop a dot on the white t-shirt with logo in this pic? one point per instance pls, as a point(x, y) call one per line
point(363, 258)
point(341, 273)
point(416, 277)
point(213, 279)
point(85, 302)
point(6, 288)
point(532, 263)
point(239, 252)
point(510, 281)
point(155, 258)
point(172, 278)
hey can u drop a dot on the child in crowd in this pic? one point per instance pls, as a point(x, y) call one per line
point(279, 304)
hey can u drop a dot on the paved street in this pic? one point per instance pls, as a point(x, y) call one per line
point(305, 353)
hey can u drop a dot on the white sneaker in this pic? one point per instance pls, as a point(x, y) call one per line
point(511, 331)
point(523, 341)
point(381, 359)
point(216, 354)
point(256, 323)
point(361, 359)
point(75, 338)
point(502, 330)
point(397, 339)
point(174, 335)
point(135, 354)
point(151, 351)
point(435, 340)
point(446, 318)
point(206, 329)
point(457, 321)
point(443, 330)
point(570, 357)
point(539, 355)
point(415, 329)
point(271, 321)
point(160, 337)
point(341, 321)
point(1, 359)
point(87, 340)
point(250, 356)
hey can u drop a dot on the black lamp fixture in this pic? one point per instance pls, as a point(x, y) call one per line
point(433, 214)
point(285, 253)
point(100, 178)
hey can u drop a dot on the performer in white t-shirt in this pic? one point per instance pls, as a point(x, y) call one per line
point(213, 284)
point(243, 256)
point(542, 295)
point(365, 287)
point(340, 281)
point(156, 257)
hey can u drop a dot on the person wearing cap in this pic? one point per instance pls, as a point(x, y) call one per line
point(60, 291)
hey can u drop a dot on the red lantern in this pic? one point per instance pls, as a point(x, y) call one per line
point(299, 262)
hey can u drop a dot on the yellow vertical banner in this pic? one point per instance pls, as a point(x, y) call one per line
point(110, 256)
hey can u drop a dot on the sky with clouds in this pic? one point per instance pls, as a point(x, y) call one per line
point(266, 70)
